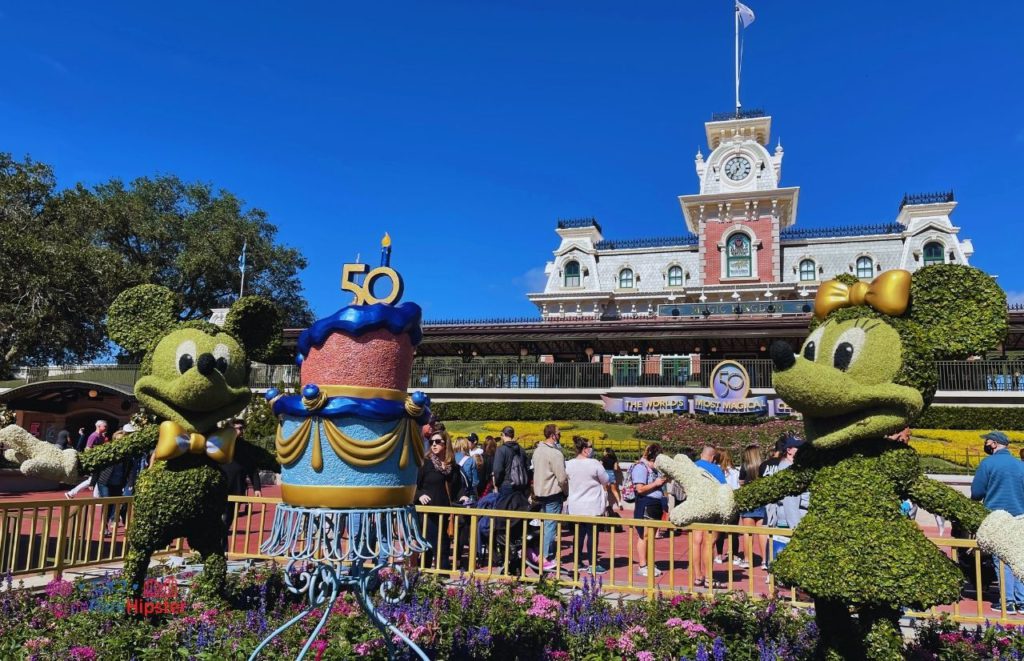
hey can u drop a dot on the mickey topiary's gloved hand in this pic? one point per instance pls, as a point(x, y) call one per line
point(1000, 534)
point(38, 458)
point(707, 499)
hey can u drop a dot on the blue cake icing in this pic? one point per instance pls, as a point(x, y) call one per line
point(359, 319)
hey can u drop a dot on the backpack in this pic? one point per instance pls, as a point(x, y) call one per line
point(468, 488)
point(517, 475)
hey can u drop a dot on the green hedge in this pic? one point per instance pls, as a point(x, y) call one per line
point(972, 417)
point(525, 411)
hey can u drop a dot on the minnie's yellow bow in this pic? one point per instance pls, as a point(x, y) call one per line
point(889, 293)
point(174, 441)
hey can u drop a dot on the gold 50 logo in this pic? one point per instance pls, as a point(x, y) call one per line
point(364, 292)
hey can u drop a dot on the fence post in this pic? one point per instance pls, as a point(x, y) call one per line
point(62, 525)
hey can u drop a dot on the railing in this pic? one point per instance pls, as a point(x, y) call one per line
point(627, 373)
point(795, 233)
point(981, 375)
point(926, 198)
point(57, 535)
point(576, 223)
point(654, 242)
point(737, 114)
point(508, 545)
point(123, 377)
point(954, 375)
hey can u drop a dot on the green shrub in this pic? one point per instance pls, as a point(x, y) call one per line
point(520, 411)
point(972, 417)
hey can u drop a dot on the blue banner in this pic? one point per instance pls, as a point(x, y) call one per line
point(756, 405)
point(647, 405)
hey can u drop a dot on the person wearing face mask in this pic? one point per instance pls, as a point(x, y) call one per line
point(587, 497)
point(999, 484)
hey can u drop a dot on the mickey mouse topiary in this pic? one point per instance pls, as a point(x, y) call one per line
point(193, 375)
point(866, 371)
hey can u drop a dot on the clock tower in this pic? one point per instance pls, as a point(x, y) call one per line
point(741, 209)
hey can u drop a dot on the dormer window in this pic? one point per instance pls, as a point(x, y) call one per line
point(626, 279)
point(738, 256)
point(675, 276)
point(572, 274)
point(933, 253)
point(865, 267)
point(807, 270)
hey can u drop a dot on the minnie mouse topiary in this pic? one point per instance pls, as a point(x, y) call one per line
point(193, 375)
point(867, 370)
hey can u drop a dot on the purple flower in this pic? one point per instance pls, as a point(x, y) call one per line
point(718, 649)
point(702, 652)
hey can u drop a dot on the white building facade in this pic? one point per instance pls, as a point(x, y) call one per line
point(743, 252)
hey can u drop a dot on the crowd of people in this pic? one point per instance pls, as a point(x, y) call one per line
point(119, 479)
point(499, 475)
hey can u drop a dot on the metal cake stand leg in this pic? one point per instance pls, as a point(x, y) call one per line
point(299, 534)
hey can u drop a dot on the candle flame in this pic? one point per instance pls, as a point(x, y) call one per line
point(386, 241)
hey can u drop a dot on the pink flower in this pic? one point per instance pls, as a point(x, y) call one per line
point(36, 644)
point(82, 653)
point(318, 648)
point(558, 655)
point(673, 622)
point(644, 655)
point(544, 607)
point(362, 649)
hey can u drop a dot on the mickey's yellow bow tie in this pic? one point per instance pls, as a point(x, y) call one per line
point(889, 293)
point(174, 441)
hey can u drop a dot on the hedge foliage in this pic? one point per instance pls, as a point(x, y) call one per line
point(962, 309)
point(972, 417)
point(140, 316)
point(546, 411)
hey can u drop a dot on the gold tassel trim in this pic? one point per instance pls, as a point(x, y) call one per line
point(351, 451)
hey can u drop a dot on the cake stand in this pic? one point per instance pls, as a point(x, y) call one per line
point(331, 551)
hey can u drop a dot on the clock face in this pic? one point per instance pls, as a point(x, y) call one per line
point(737, 168)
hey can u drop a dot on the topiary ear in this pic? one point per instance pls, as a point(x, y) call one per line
point(140, 316)
point(961, 308)
point(256, 323)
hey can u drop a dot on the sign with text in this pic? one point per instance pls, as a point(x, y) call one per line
point(730, 387)
point(646, 405)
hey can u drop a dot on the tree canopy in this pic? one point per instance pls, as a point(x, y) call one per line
point(66, 254)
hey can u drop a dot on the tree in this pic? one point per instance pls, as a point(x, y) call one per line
point(188, 238)
point(65, 255)
point(53, 281)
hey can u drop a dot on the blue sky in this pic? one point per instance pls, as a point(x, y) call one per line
point(466, 129)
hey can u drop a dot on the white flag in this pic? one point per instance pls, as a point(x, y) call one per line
point(746, 14)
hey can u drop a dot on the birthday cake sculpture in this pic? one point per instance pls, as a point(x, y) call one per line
point(351, 439)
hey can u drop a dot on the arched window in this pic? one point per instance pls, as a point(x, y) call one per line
point(933, 253)
point(865, 267)
point(738, 256)
point(807, 270)
point(572, 274)
point(675, 276)
point(626, 279)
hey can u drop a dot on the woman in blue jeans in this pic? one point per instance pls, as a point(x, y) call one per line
point(649, 485)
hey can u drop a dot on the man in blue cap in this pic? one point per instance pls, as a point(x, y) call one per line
point(999, 483)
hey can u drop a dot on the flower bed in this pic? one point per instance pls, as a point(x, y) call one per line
point(678, 433)
point(472, 621)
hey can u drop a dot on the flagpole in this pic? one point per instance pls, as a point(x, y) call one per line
point(736, 16)
point(241, 265)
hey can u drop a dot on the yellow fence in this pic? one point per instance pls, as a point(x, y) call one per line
point(56, 535)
